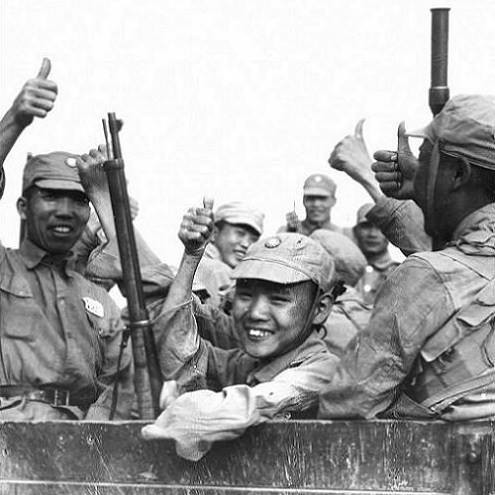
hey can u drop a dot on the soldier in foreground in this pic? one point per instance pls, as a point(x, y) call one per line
point(282, 295)
point(429, 349)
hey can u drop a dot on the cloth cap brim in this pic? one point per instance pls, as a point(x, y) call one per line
point(269, 270)
point(240, 220)
point(423, 133)
point(316, 191)
point(66, 185)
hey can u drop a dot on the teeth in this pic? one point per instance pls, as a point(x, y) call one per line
point(62, 230)
point(254, 332)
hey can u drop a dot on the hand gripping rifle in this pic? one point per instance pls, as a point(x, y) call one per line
point(147, 378)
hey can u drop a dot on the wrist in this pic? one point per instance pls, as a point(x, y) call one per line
point(194, 253)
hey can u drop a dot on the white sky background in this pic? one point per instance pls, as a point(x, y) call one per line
point(240, 100)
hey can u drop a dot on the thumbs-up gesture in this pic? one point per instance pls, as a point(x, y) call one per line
point(36, 98)
point(395, 170)
point(197, 227)
point(351, 156)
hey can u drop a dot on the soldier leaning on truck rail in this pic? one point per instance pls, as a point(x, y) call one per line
point(429, 348)
point(59, 334)
point(282, 296)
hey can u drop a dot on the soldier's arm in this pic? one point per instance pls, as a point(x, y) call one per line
point(411, 304)
point(35, 99)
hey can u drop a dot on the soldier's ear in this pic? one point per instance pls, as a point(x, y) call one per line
point(323, 308)
point(21, 204)
point(214, 233)
point(463, 173)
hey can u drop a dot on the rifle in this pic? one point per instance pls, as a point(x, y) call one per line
point(147, 378)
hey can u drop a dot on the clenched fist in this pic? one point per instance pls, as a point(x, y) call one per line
point(197, 227)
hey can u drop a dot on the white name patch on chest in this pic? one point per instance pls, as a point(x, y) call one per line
point(93, 306)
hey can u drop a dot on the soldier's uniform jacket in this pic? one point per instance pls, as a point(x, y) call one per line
point(374, 276)
point(58, 330)
point(429, 349)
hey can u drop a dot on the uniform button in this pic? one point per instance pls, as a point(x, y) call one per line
point(367, 288)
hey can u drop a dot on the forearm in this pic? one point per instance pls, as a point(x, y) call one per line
point(181, 288)
point(10, 130)
point(402, 222)
point(371, 187)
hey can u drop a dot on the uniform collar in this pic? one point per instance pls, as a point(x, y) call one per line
point(328, 225)
point(383, 262)
point(476, 233)
point(267, 371)
point(33, 256)
point(212, 252)
point(486, 214)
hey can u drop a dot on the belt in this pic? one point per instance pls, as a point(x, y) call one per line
point(54, 396)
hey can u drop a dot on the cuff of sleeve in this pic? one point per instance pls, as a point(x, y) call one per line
point(383, 211)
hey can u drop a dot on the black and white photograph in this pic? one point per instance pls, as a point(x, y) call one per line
point(247, 247)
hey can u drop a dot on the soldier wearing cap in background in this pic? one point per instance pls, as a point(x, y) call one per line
point(374, 246)
point(60, 334)
point(429, 349)
point(350, 314)
point(237, 226)
point(282, 296)
point(318, 199)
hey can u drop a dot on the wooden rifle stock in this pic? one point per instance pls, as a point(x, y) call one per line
point(439, 89)
point(148, 379)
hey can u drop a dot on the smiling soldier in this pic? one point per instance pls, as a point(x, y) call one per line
point(281, 297)
point(237, 226)
point(318, 199)
point(59, 333)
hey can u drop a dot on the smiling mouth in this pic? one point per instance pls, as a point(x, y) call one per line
point(257, 334)
point(62, 230)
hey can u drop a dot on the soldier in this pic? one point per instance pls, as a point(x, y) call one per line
point(318, 199)
point(60, 334)
point(237, 226)
point(350, 314)
point(374, 245)
point(281, 297)
point(429, 348)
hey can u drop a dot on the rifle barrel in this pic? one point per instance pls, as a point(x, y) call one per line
point(439, 91)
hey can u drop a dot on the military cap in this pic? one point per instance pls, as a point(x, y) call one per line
point(55, 170)
point(465, 128)
point(350, 262)
point(362, 212)
point(238, 213)
point(319, 185)
point(287, 258)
